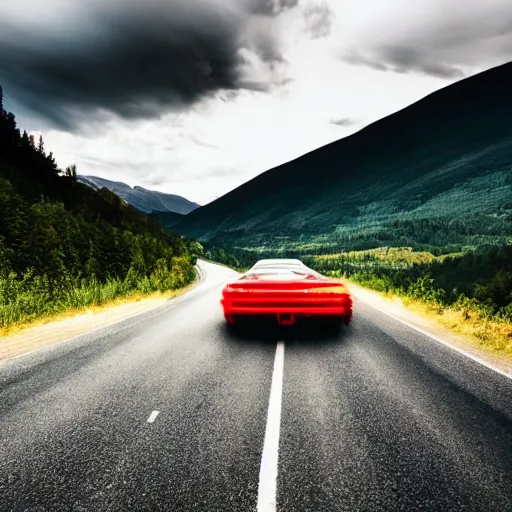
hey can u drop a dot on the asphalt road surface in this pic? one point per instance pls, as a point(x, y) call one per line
point(167, 411)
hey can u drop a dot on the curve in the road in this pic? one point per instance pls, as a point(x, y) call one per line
point(380, 418)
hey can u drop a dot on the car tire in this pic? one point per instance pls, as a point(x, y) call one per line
point(332, 326)
point(236, 328)
point(345, 319)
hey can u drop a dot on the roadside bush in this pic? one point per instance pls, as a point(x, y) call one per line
point(24, 298)
point(424, 289)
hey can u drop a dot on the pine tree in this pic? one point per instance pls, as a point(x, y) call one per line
point(2, 111)
point(71, 172)
point(25, 141)
point(40, 146)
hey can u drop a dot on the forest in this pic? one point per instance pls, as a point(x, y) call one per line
point(66, 246)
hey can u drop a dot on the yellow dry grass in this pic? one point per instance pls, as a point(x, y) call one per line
point(488, 334)
point(490, 339)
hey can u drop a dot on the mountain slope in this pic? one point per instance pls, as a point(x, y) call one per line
point(144, 200)
point(168, 219)
point(438, 172)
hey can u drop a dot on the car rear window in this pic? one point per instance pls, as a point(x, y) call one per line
point(283, 272)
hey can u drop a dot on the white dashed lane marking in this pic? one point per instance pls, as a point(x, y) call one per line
point(152, 416)
point(268, 470)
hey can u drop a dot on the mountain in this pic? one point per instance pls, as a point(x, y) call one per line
point(144, 200)
point(168, 219)
point(437, 173)
point(67, 246)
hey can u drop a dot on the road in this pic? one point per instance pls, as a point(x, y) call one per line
point(167, 411)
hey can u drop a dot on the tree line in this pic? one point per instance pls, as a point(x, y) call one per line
point(63, 244)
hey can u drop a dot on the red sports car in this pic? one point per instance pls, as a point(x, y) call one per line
point(287, 290)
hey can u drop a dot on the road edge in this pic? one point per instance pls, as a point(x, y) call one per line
point(48, 339)
point(478, 356)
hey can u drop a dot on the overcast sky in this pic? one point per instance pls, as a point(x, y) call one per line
point(195, 97)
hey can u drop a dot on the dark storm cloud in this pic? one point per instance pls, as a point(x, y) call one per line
point(462, 38)
point(318, 19)
point(135, 58)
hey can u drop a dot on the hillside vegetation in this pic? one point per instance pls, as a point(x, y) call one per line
point(168, 219)
point(64, 245)
point(436, 176)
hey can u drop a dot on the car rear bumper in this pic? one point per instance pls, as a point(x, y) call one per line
point(302, 311)
point(269, 306)
point(285, 312)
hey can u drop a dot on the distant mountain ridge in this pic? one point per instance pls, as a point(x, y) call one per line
point(144, 200)
point(437, 173)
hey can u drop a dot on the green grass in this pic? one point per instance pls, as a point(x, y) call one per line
point(465, 317)
point(26, 299)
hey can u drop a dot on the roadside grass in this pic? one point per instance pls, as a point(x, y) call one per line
point(28, 306)
point(490, 334)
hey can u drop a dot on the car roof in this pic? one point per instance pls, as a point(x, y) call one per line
point(278, 263)
point(279, 260)
point(283, 267)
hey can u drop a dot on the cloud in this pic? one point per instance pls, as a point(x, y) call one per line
point(462, 38)
point(344, 121)
point(271, 7)
point(136, 58)
point(259, 80)
point(200, 142)
point(403, 60)
point(318, 19)
point(155, 179)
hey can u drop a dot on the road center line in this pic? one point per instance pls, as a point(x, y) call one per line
point(152, 416)
point(268, 470)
